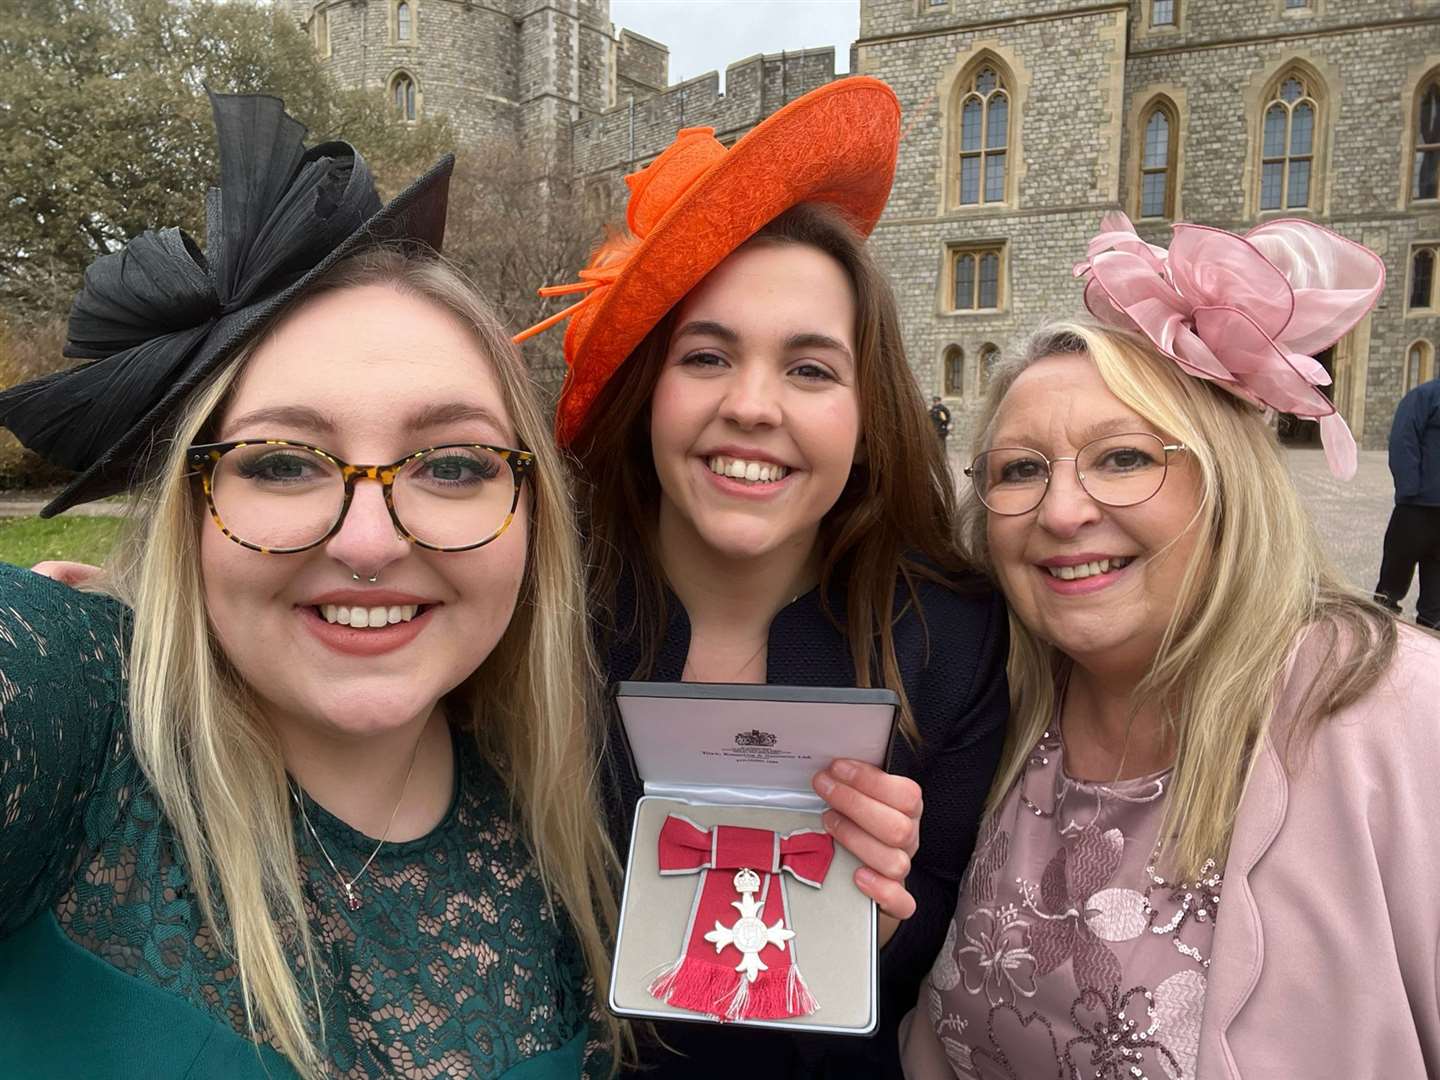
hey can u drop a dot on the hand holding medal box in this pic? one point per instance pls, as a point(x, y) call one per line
point(738, 905)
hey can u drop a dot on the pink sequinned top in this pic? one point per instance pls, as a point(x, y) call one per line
point(1070, 955)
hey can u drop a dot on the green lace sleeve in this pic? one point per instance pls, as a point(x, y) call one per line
point(62, 709)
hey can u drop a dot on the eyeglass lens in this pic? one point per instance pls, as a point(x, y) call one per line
point(280, 497)
point(1118, 470)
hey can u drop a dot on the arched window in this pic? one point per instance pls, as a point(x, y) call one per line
point(1422, 278)
point(1157, 161)
point(403, 26)
point(402, 95)
point(1426, 184)
point(954, 371)
point(976, 274)
point(981, 123)
point(1419, 366)
point(989, 357)
point(1287, 151)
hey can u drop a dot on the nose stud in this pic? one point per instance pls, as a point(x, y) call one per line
point(371, 580)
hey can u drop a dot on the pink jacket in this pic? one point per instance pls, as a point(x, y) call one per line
point(1324, 961)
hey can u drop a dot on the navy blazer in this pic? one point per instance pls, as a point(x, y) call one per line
point(1415, 446)
point(953, 667)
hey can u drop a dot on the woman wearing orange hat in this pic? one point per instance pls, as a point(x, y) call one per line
point(765, 502)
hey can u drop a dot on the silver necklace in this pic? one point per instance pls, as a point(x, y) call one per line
point(352, 898)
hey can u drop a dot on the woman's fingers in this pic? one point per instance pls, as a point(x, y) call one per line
point(887, 807)
point(876, 817)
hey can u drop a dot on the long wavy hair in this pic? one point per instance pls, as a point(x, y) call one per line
point(217, 768)
point(895, 515)
point(1258, 580)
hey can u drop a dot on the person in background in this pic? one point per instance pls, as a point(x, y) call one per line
point(940, 417)
point(1413, 536)
point(766, 503)
point(308, 788)
point(1209, 850)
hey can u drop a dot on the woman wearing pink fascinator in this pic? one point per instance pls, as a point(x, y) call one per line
point(1207, 853)
point(1247, 312)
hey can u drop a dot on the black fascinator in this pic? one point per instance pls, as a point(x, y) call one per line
point(157, 317)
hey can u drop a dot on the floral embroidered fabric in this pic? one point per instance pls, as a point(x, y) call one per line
point(1070, 955)
point(455, 964)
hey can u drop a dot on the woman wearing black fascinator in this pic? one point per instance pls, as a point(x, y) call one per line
point(303, 785)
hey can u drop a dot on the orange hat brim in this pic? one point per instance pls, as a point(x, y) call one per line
point(835, 145)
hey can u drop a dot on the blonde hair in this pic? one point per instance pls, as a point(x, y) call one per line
point(218, 771)
point(1257, 580)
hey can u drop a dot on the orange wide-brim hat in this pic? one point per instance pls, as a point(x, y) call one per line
point(697, 202)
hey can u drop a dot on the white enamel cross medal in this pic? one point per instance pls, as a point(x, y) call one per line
point(749, 934)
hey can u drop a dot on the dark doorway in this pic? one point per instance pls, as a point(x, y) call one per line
point(1296, 432)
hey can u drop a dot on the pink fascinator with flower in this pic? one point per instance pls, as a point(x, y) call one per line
point(1248, 312)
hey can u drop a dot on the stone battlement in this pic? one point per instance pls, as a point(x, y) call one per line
point(634, 131)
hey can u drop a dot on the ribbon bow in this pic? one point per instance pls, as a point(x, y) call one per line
point(686, 848)
point(157, 316)
point(1247, 312)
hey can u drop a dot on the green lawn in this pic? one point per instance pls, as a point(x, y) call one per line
point(26, 541)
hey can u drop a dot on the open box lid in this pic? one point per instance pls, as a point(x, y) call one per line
point(738, 742)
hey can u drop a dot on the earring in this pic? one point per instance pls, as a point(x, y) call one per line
point(372, 579)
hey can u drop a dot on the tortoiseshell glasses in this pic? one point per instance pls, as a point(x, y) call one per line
point(280, 497)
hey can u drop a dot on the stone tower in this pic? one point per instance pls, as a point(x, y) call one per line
point(505, 73)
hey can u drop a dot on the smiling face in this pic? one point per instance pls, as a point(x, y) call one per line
point(369, 374)
point(755, 419)
point(1057, 563)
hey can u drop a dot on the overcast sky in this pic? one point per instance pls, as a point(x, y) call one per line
point(706, 35)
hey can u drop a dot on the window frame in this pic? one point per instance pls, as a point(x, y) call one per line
point(412, 7)
point(1314, 91)
point(952, 353)
point(1429, 81)
point(1412, 258)
point(976, 250)
point(965, 90)
point(394, 84)
point(1162, 105)
point(986, 359)
point(1426, 367)
point(320, 31)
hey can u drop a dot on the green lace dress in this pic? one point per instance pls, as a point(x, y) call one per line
point(455, 965)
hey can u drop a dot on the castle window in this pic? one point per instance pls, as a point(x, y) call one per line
point(977, 279)
point(1157, 162)
point(989, 357)
point(1419, 366)
point(320, 30)
point(1422, 278)
point(1296, 5)
point(1426, 182)
point(954, 371)
point(980, 123)
point(402, 96)
point(1287, 152)
point(404, 28)
point(1162, 12)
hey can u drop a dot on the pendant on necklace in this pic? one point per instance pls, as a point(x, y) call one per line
point(352, 900)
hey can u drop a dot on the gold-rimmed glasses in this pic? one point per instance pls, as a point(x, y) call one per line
point(1116, 470)
point(279, 497)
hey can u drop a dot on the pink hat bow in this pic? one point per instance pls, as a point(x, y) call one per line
point(1248, 312)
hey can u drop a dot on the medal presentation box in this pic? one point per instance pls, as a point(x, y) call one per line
point(737, 907)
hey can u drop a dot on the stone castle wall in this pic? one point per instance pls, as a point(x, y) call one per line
point(630, 134)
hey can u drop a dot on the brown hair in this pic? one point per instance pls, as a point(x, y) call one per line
point(896, 513)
